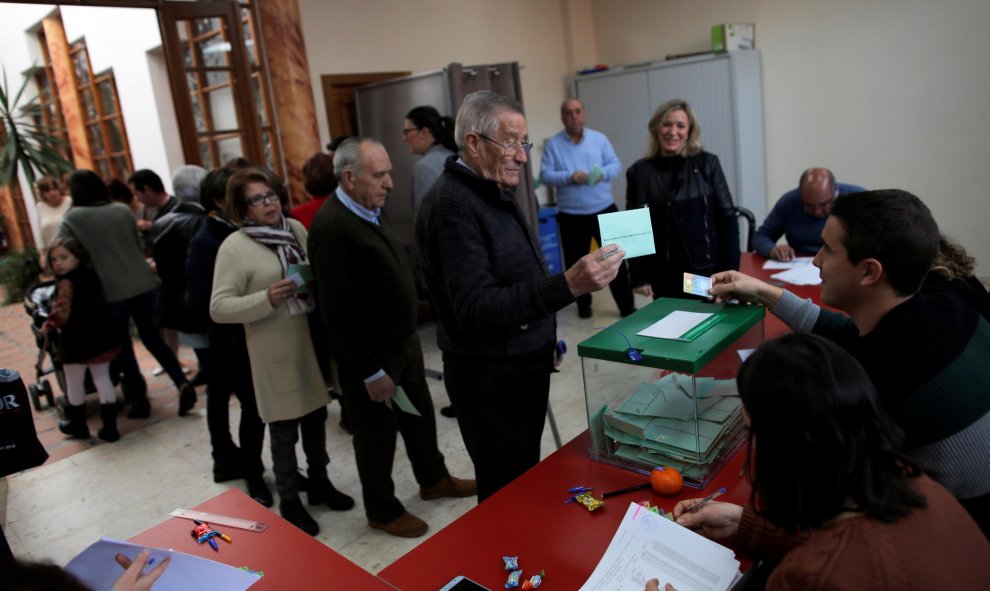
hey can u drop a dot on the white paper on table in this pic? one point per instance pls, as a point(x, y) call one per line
point(673, 325)
point(772, 265)
point(647, 546)
point(745, 353)
point(803, 275)
point(96, 568)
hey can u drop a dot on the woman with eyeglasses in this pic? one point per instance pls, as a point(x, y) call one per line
point(694, 219)
point(430, 136)
point(833, 500)
point(259, 282)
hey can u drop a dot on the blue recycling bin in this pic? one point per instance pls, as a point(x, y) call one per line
point(550, 239)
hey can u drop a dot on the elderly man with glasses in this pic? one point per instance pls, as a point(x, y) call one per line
point(495, 300)
point(800, 215)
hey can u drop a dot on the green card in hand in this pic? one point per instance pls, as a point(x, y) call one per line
point(402, 400)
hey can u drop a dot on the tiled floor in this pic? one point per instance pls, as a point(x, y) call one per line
point(92, 489)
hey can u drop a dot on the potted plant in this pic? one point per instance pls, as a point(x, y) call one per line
point(29, 147)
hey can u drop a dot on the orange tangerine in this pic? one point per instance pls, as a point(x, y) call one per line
point(666, 481)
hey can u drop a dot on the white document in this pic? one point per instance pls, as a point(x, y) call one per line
point(648, 546)
point(96, 568)
point(772, 265)
point(745, 353)
point(673, 325)
point(803, 275)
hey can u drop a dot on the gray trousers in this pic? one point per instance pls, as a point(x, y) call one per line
point(284, 435)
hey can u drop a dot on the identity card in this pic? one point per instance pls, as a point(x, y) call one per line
point(698, 285)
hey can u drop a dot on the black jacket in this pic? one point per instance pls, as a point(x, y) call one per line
point(485, 270)
point(201, 257)
point(694, 220)
point(171, 234)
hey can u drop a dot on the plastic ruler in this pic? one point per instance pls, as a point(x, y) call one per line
point(213, 518)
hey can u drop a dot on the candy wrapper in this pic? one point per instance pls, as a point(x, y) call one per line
point(511, 562)
point(513, 580)
point(533, 582)
point(590, 502)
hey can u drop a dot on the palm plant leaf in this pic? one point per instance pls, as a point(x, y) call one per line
point(25, 144)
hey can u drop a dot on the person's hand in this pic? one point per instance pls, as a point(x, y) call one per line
point(644, 289)
point(782, 252)
point(580, 178)
point(280, 291)
point(594, 270)
point(144, 225)
point(382, 389)
point(716, 521)
point(654, 585)
point(132, 579)
point(729, 285)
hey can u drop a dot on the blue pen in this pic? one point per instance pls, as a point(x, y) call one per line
point(580, 489)
point(213, 544)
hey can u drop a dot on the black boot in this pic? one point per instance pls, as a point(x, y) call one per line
point(259, 491)
point(75, 423)
point(108, 412)
point(294, 512)
point(187, 398)
point(323, 491)
point(227, 462)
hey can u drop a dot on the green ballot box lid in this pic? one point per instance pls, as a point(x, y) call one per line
point(687, 356)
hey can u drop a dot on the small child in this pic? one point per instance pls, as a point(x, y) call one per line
point(86, 337)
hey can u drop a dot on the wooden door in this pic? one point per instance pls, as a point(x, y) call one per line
point(211, 82)
point(338, 98)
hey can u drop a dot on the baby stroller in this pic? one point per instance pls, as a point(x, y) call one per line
point(38, 302)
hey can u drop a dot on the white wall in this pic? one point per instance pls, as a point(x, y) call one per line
point(383, 35)
point(123, 46)
point(886, 93)
point(115, 37)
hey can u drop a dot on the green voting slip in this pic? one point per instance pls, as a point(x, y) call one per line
point(402, 401)
point(631, 230)
point(301, 275)
point(594, 175)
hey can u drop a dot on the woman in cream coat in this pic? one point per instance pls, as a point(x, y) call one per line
point(252, 286)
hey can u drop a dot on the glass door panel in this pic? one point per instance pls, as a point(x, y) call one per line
point(211, 83)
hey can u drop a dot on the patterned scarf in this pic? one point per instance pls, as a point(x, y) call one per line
point(282, 241)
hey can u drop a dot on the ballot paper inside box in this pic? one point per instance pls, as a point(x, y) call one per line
point(678, 406)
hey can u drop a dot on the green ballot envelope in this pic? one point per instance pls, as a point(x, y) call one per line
point(594, 175)
point(632, 230)
point(301, 274)
point(401, 399)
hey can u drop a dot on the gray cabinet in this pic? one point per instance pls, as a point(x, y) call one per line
point(725, 92)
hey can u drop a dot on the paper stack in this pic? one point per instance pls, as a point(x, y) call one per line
point(656, 424)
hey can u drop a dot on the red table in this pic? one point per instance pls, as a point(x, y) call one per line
point(529, 519)
point(289, 558)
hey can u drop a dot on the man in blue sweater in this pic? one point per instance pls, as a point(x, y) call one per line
point(800, 216)
point(580, 163)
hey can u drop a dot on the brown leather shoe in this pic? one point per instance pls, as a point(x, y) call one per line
point(449, 487)
point(406, 525)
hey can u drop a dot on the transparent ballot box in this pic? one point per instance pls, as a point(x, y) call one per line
point(669, 401)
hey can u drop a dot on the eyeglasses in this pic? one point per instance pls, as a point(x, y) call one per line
point(407, 130)
point(510, 149)
point(256, 200)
